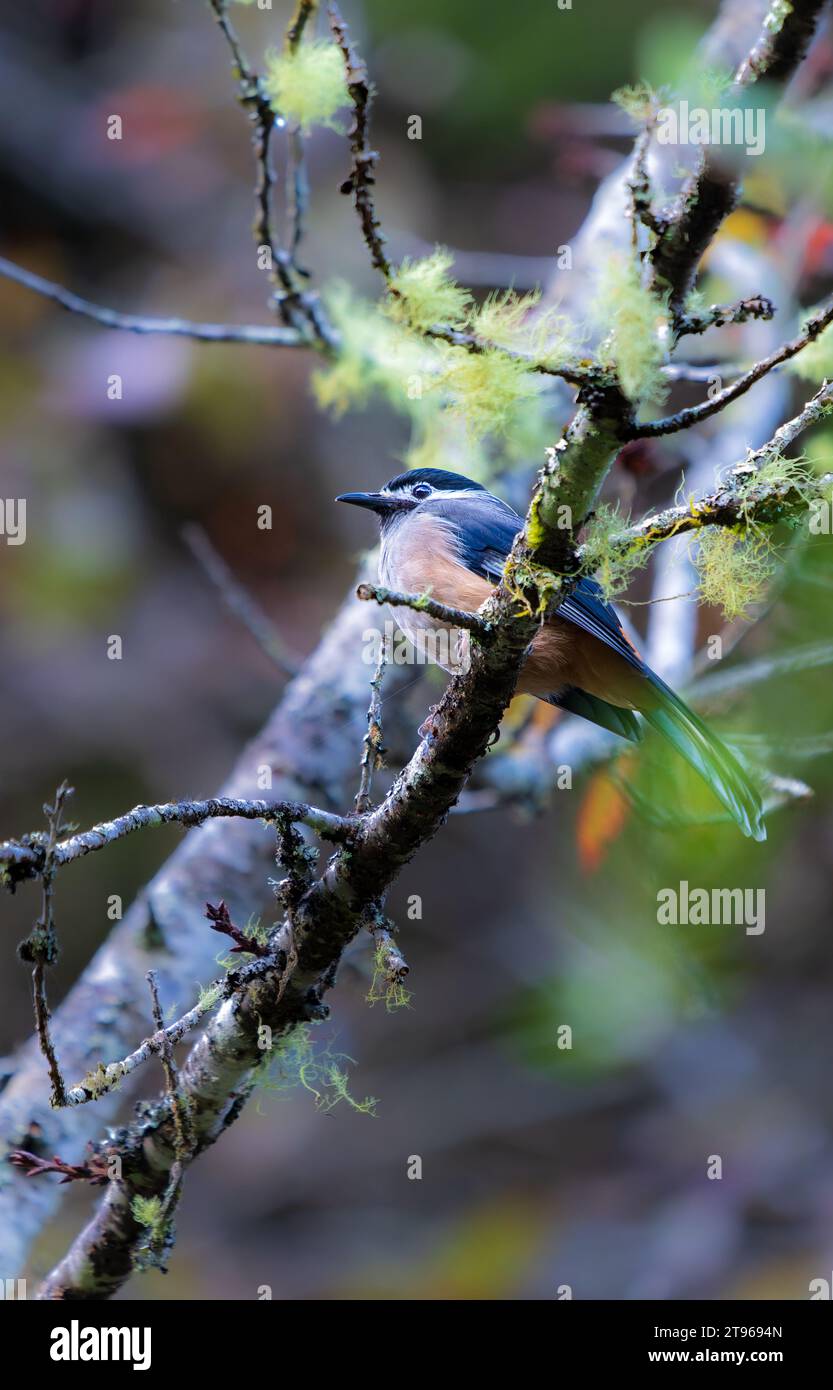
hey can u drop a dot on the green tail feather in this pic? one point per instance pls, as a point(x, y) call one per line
point(711, 758)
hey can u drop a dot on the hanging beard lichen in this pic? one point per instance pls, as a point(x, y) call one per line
point(733, 569)
point(637, 318)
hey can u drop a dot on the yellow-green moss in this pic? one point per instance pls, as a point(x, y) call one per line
point(375, 355)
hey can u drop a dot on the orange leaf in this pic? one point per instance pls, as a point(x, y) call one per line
point(601, 818)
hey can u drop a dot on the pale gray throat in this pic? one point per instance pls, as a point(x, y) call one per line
point(394, 542)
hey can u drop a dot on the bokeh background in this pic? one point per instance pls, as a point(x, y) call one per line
point(541, 1167)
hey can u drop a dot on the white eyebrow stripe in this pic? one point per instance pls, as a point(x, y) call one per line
point(442, 493)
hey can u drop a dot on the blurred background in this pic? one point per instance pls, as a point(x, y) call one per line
point(542, 1167)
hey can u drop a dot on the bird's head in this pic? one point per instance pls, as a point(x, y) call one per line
point(413, 490)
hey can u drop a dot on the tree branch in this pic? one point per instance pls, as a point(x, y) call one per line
point(26, 858)
point(695, 414)
point(711, 193)
point(259, 336)
point(423, 603)
point(310, 742)
point(733, 505)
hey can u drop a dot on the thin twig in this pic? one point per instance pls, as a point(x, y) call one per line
point(238, 600)
point(423, 603)
point(717, 315)
point(96, 1170)
point(360, 180)
point(260, 336)
point(297, 184)
point(373, 750)
point(639, 186)
point(220, 920)
point(702, 371)
point(360, 183)
point(589, 373)
point(41, 947)
point(107, 1076)
point(694, 414)
point(298, 308)
point(166, 1053)
point(26, 858)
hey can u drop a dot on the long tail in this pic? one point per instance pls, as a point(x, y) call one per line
point(708, 756)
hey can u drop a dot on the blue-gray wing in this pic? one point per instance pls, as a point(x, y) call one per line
point(485, 529)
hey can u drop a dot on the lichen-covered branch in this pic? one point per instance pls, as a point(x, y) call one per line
point(697, 321)
point(738, 500)
point(711, 193)
point(40, 948)
point(26, 858)
point(695, 414)
point(108, 1076)
point(310, 741)
point(373, 755)
point(298, 308)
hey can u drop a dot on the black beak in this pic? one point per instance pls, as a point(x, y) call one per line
point(380, 502)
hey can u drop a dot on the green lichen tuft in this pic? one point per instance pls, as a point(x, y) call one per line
point(422, 293)
point(307, 86)
point(148, 1212)
point(104, 1077)
point(208, 997)
point(612, 564)
point(386, 987)
point(517, 323)
point(638, 320)
point(375, 355)
point(294, 1061)
point(523, 579)
point(639, 101)
point(485, 389)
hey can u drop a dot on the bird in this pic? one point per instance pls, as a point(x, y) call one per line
point(445, 535)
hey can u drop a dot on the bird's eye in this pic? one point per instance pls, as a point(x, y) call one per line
point(421, 490)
